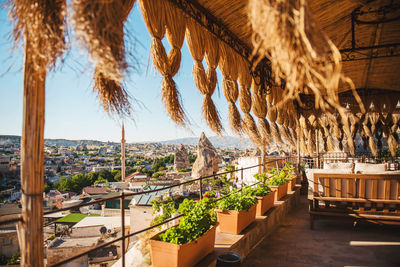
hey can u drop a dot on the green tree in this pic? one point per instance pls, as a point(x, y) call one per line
point(100, 180)
point(92, 176)
point(79, 181)
point(65, 184)
point(132, 170)
point(107, 175)
point(117, 175)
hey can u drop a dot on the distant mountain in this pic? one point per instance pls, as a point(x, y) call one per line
point(226, 142)
point(220, 142)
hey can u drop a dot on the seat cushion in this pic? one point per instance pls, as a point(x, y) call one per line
point(369, 168)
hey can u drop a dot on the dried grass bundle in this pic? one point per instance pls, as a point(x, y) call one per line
point(324, 123)
point(160, 18)
point(264, 130)
point(250, 127)
point(205, 81)
point(298, 50)
point(276, 134)
point(41, 24)
point(99, 25)
point(230, 70)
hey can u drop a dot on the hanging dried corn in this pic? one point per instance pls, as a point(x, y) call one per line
point(99, 25)
point(160, 18)
point(205, 81)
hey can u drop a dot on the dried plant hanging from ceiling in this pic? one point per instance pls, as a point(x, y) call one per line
point(161, 18)
point(300, 53)
point(99, 25)
point(245, 103)
point(205, 81)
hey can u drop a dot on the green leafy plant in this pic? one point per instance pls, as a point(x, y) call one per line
point(278, 179)
point(164, 206)
point(262, 177)
point(238, 200)
point(261, 190)
point(183, 170)
point(198, 218)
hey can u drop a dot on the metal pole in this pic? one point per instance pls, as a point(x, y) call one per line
point(122, 206)
point(241, 174)
point(201, 188)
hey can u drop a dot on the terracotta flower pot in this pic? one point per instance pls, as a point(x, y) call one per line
point(281, 190)
point(168, 254)
point(265, 203)
point(233, 221)
point(292, 183)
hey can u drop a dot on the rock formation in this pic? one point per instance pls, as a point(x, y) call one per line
point(181, 160)
point(207, 158)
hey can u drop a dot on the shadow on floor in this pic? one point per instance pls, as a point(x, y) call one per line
point(332, 243)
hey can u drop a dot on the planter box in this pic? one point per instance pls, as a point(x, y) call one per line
point(281, 190)
point(292, 183)
point(265, 203)
point(167, 254)
point(233, 221)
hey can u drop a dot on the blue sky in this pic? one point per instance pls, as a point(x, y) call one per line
point(72, 109)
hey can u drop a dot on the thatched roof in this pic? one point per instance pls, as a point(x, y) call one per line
point(271, 53)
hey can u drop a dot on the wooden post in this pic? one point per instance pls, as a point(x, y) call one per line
point(123, 154)
point(263, 159)
point(298, 152)
point(317, 146)
point(30, 229)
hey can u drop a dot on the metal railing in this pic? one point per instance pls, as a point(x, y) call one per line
point(122, 197)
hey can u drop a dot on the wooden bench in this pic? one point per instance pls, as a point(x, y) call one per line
point(369, 197)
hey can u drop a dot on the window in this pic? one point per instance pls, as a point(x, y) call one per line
point(104, 265)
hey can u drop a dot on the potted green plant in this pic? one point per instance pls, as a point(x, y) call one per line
point(265, 198)
point(191, 240)
point(278, 183)
point(288, 168)
point(236, 211)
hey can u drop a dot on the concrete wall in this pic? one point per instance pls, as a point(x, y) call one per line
point(57, 254)
point(248, 175)
point(9, 243)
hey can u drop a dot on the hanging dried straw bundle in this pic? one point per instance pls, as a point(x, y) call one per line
point(324, 123)
point(41, 24)
point(230, 69)
point(259, 108)
point(99, 25)
point(367, 132)
point(272, 116)
point(160, 18)
point(205, 81)
point(245, 81)
point(298, 50)
point(303, 134)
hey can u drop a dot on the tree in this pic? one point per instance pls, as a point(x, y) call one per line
point(117, 175)
point(65, 184)
point(79, 181)
point(100, 180)
point(107, 175)
point(92, 176)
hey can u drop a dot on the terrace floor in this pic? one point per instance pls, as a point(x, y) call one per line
point(331, 243)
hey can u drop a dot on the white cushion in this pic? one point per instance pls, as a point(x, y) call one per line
point(338, 166)
point(369, 168)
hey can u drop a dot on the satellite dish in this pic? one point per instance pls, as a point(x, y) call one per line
point(103, 230)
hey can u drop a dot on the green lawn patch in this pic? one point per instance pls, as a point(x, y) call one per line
point(74, 217)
